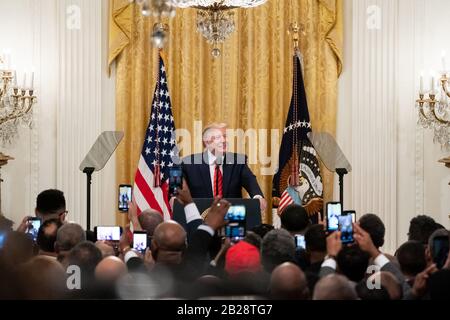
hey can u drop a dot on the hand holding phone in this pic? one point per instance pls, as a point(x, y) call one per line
point(125, 195)
point(140, 241)
point(34, 224)
point(334, 211)
point(346, 228)
point(235, 230)
point(175, 180)
point(440, 251)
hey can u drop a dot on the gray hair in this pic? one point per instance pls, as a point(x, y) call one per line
point(69, 235)
point(278, 246)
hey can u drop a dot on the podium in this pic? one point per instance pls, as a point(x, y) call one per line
point(252, 209)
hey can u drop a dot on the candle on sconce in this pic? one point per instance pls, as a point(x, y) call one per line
point(32, 81)
point(7, 58)
point(15, 79)
point(444, 64)
point(432, 84)
point(24, 80)
point(421, 83)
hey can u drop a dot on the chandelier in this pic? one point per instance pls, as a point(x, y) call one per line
point(16, 102)
point(215, 20)
point(157, 8)
point(434, 108)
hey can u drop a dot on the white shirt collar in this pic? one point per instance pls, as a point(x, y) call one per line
point(212, 158)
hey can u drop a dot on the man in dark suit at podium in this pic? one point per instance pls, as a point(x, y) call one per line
point(218, 173)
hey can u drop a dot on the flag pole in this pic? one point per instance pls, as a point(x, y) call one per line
point(157, 173)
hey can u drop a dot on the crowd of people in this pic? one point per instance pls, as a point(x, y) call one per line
point(194, 262)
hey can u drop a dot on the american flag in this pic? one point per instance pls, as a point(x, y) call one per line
point(298, 178)
point(158, 152)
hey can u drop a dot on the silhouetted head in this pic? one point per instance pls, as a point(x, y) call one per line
point(334, 287)
point(288, 282)
point(168, 243)
point(51, 204)
point(373, 225)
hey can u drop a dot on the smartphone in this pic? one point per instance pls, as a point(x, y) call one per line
point(125, 194)
point(140, 241)
point(440, 251)
point(107, 233)
point(33, 227)
point(352, 213)
point(236, 213)
point(346, 228)
point(235, 231)
point(175, 180)
point(300, 241)
point(334, 211)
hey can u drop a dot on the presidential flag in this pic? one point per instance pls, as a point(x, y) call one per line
point(158, 152)
point(298, 177)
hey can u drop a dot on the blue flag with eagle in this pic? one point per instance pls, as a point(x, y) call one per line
point(298, 178)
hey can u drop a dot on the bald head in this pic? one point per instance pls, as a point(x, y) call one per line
point(149, 219)
point(288, 282)
point(169, 241)
point(110, 269)
point(170, 235)
point(42, 278)
point(389, 282)
point(334, 287)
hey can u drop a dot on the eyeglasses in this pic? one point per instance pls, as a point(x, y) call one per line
point(64, 212)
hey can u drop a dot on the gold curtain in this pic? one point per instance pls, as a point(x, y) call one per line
point(249, 86)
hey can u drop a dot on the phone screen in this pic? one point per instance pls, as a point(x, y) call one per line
point(34, 225)
point(334, 211)
point(236, 217)
point(440, 251)
point(236, 213)
point(140, 241)
point(346, 227)
point(235, 231)
point(175, 180)
point(350, 212)
point(124, 197)
point(108, 233)
point(300, 241)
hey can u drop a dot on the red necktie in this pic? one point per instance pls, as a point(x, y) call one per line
point(217, 182)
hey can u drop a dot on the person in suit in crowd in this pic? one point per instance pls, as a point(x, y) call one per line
point(217, 172)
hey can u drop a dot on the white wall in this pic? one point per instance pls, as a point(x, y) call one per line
point(396, 173)
point(75, 104)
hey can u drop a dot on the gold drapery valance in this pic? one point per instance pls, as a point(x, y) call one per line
point(249, 86)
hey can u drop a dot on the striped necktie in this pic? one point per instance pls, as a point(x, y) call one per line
point(217, 182)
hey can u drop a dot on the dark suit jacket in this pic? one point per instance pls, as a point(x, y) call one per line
point(236, 175)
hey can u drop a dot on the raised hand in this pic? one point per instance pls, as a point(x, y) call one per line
point(420, 283)
point(364, 241)
point(216, 215)
point(334, 244)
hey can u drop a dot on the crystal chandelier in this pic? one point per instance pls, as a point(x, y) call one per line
point(16, 102)
point(434, 108)
point(215, 21)
point(157, 8)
